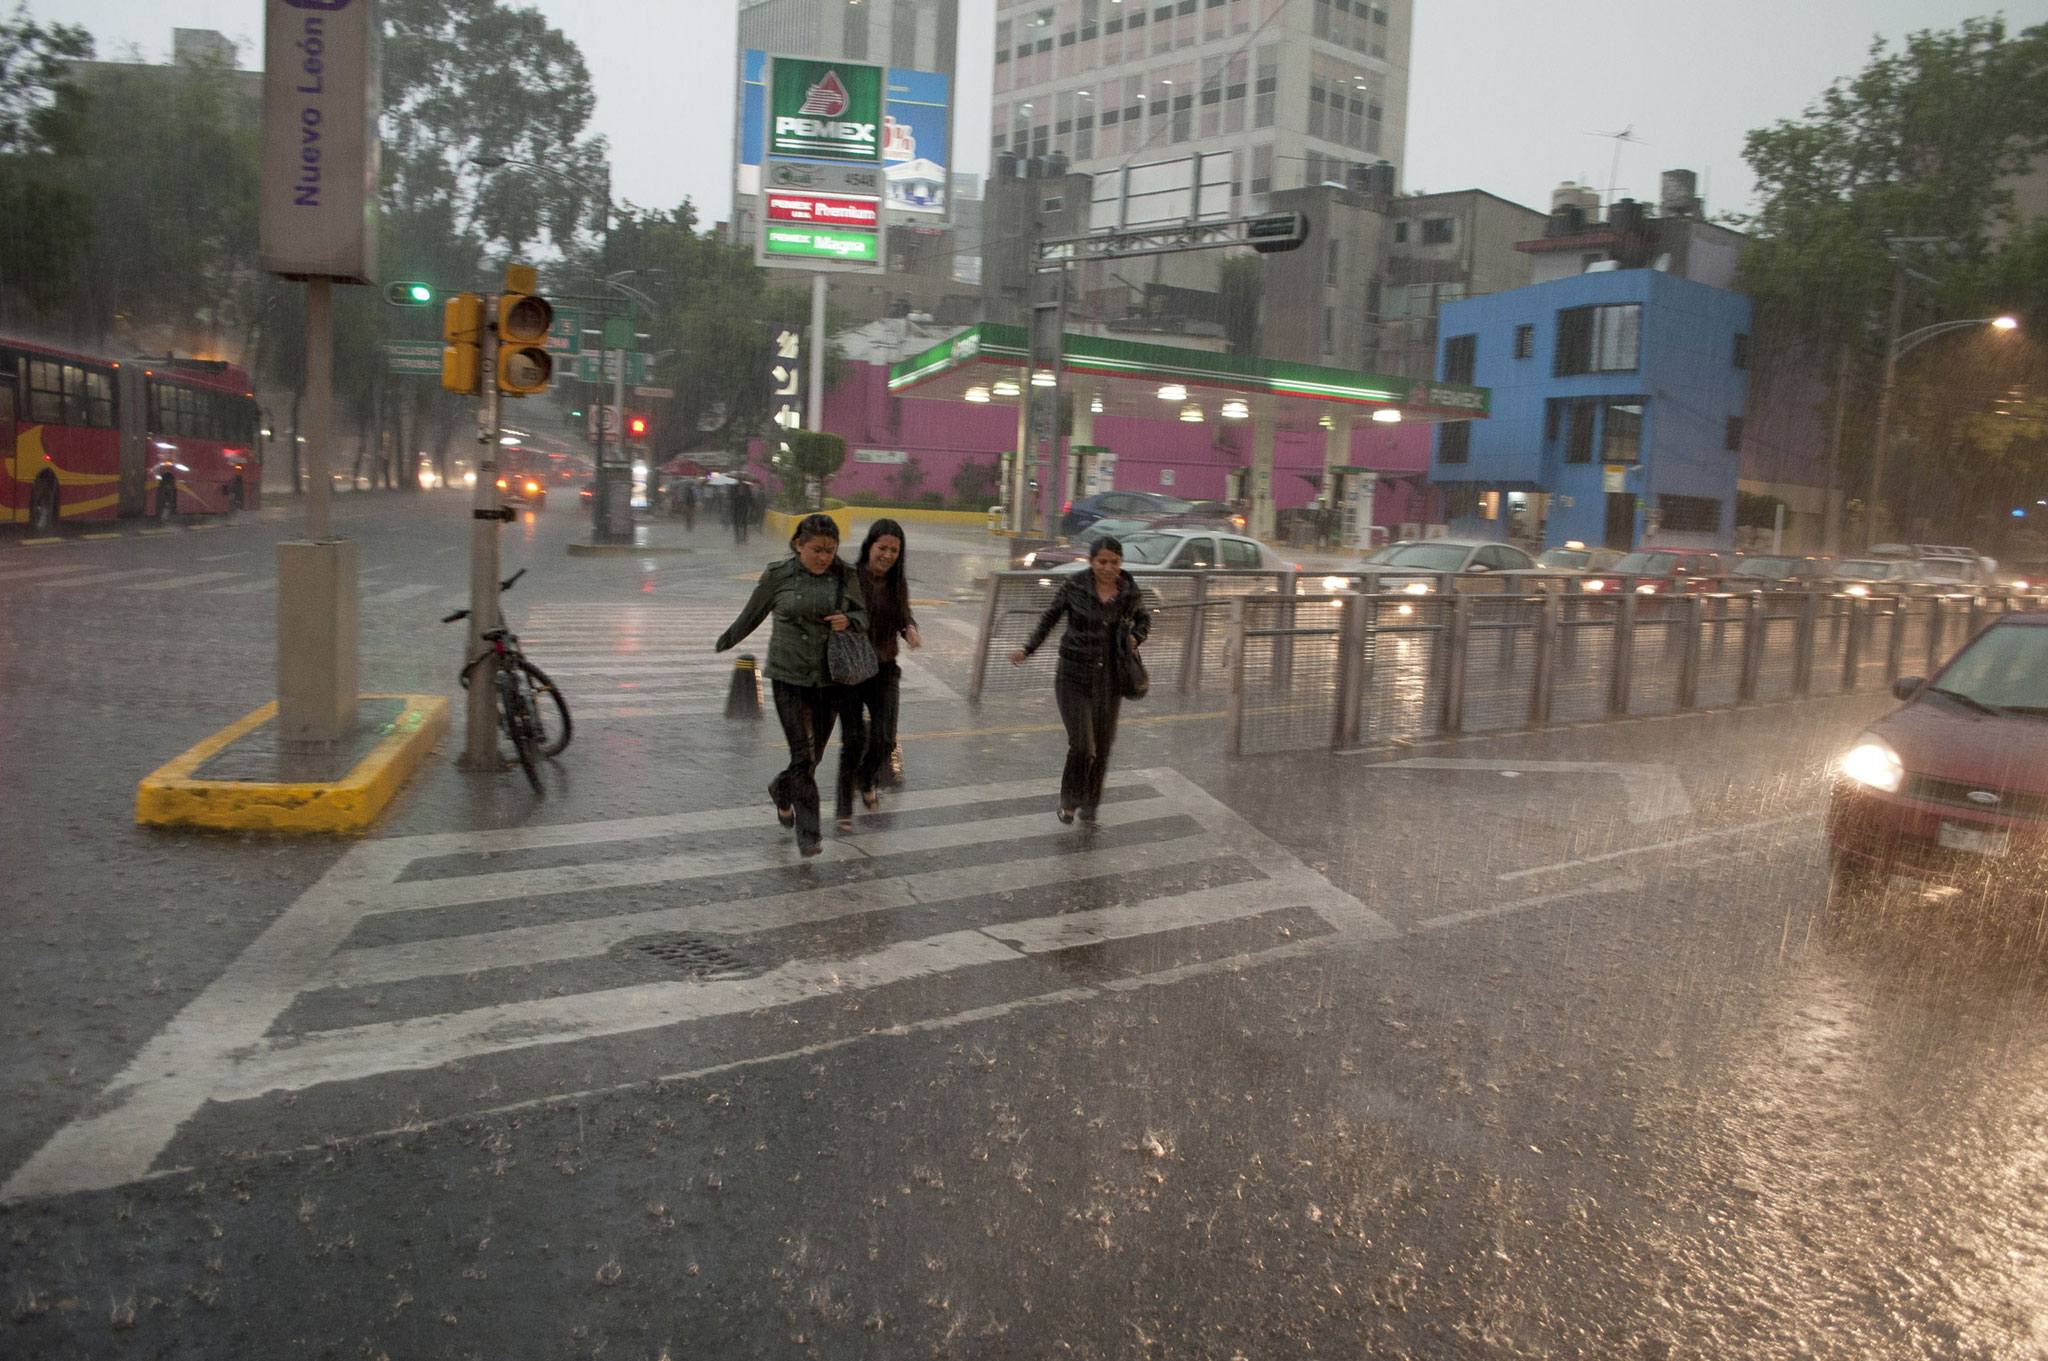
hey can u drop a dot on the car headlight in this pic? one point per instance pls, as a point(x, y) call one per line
point(1417, 588)
point(1872, 762)
point(1030, 559)
point(1857, 590)
point(1647, 588)
point(1594, 585)
point(1335, 584)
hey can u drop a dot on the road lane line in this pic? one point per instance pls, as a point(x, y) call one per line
point(1618, 884)
point(1654, 792)
point(262, 583)
point(401, 593)
point(1672, 844)
point(197, 579)
point(8, 578)
point(102, 578)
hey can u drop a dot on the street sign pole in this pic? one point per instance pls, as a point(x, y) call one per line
point(480, 747)
point(814, 412)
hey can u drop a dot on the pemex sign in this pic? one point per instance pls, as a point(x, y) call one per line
point(825, 110)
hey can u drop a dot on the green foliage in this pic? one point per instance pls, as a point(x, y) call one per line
point(1756, 512)
point(904, 482)
point(977, 485)
point(1924, 142)
point(43, 217)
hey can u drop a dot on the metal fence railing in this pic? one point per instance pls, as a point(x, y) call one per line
point(1345, 667)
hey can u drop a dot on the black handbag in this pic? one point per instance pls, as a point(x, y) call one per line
point(1132, 680)
point(849, 656)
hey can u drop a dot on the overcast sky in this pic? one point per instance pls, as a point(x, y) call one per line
point(1504, 97)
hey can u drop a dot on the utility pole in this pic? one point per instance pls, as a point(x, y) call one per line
point(480, 746)
point(1831, 512)
point(814, 408)
point(1884, 404)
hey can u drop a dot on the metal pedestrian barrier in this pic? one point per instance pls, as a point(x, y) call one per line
point(1359, 662)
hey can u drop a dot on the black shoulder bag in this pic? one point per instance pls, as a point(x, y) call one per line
point(1132, 680)
point(849, 656)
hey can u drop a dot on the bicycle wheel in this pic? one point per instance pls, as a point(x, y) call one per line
point(519, 726)
point(554, 731)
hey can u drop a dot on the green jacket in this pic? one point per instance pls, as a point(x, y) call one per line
point(799, 601)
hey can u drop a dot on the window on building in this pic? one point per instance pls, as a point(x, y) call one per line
point(1598, 339)
point(1266, 93)
point(1740, 357)
point(1733, 442)
point(1002, 41)
point(1329, 330)
point(903, 35)
point(1454, 442)
point(1084, 125)
point(1525, 342)
point(1461, 356)
point(853, 33)
point(1091, 14)
point(1689, 514)
point(1401, 232)
point(1621, 439)
point(1553, 416)
point(1330, 253)
point(1262, 170)
point(1578, 442)
point(1461, 499)
point(1439, 231)
point(1234, 93)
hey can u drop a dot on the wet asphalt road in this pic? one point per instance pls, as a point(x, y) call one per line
point(1451, 1051)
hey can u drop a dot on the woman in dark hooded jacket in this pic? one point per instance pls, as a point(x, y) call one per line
point(1087, 685)
point(887, 591)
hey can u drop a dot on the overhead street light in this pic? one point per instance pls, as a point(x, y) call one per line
point(1901, 346)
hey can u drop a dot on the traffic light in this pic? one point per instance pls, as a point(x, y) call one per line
point(408, 293)
point(1275, 232)
point(636, 427)
point(462, 357)
point(523, 320)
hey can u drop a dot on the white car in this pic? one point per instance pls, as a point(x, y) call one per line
point(1192, 549)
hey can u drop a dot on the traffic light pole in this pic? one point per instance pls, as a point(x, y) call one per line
point(480, 748)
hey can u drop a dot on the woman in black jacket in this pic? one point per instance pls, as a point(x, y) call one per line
point(1086, 685)
point(887, 591)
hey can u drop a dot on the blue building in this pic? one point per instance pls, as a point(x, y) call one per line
point(1618, 399)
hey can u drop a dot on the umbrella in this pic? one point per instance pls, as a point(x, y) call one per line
point(683, 467)
point(721, 480)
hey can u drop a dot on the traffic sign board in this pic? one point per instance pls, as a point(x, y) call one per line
point(413, 356)
point(565, 336)
point(655, 394)
point(821, 243)
point(587, 367)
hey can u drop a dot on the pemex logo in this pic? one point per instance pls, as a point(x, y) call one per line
point(826, 99)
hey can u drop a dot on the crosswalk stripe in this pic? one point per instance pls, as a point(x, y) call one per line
point(251, 587)
point(557, 941)
point(397, 594)
point(197, 579)
point(220, 1048)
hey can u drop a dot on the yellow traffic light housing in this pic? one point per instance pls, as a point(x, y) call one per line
point(524, 317)
point(462, 334)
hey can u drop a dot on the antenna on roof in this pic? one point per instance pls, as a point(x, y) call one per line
point(1627, 134)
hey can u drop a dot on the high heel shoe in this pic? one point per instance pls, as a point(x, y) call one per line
point(844, 824)
point(1065, 815)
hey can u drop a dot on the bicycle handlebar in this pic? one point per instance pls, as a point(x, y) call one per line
point(506, 584)
point(459, 614)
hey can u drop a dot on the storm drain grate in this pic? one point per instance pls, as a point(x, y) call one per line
point(693, 955)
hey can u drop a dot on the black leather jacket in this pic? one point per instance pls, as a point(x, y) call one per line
point(1089, 620)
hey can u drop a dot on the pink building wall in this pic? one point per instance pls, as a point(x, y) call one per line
point(942, 435)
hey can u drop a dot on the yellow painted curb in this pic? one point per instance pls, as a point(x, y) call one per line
point(912, 515)
point(782, 527)
point(38, 543)
point(169, 797)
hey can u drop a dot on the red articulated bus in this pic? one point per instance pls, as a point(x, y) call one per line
point(90, 439)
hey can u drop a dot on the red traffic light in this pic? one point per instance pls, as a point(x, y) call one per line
point(636, 426)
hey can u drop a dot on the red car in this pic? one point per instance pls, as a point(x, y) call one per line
point(1658, 571)
point(1951, 788)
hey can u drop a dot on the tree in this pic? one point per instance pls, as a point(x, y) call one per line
point(43, 217)
point(1922, 143)
point(813, 457)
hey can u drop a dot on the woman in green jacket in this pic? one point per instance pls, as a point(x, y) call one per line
point(812, 594)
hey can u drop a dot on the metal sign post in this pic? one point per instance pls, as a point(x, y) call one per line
point(480, 746)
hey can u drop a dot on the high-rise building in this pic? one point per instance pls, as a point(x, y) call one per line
point(1295, 91)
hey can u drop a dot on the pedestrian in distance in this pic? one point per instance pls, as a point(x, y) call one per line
point(1087, 684)
point(737, 499)
point(812, 594)
point(690, 506)
point(887, 591)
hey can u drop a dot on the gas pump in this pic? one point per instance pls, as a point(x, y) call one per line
point(1349, 497)
point(1091, 470)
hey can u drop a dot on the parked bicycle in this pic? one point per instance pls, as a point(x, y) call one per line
point(520, 687)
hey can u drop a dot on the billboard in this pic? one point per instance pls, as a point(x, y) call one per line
point(321, 98)
point(824, 110)
point(916, 109)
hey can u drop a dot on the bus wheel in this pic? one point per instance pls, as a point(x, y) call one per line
point(42, 507)
point(166, 501)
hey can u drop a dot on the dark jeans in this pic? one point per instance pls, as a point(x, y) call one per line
point(877, 698)
point(1089, 703)
point(739, 528)
point(807, 713)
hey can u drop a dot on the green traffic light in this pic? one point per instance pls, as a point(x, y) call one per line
point(422, 294)
point(409, 293)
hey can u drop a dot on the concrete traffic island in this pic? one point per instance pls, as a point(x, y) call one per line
point(243, 779)
point(644, 544)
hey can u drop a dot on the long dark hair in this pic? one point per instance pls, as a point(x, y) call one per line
point(894, 583)
point(818, 526)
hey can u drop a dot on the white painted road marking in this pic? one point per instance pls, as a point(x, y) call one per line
point(219, 1047)
point(1653, 791)
point(1670, 845)
point(176, 583)
point(400, 593)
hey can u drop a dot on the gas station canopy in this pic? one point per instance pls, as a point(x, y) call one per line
point(986, 363)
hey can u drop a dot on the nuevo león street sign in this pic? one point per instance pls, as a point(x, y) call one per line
point(413, 356)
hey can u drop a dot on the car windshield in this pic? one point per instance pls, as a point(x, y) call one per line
point(1766, 567)
point(1424, 557)
point(1950, 569)
point(1150, 549)
point(1565, 557)
point(1116, 528)
point(1646, 564)
point(2006, 668)
point(1169, 505)
point(1865, 569)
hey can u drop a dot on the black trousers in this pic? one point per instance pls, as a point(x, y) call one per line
point(807, 713)
point(877, 699)
point(739, 527)
point(1089, 703)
